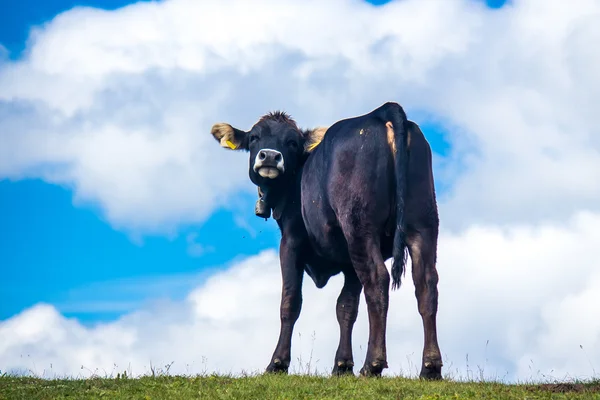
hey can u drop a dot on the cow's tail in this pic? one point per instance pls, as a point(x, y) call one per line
point(397, 116)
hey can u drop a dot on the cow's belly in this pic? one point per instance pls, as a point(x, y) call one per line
point(324, 234)
point(329, 254)
point(330, 246)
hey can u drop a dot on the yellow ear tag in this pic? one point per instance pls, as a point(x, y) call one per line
point(231, 145)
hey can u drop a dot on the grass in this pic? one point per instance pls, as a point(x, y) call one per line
point(282, 387)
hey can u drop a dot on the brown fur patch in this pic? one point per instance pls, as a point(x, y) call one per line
point(390, 137)
point(225, 135)
point(315, 137)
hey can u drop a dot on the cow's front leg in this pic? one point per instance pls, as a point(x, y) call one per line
point(291, 304)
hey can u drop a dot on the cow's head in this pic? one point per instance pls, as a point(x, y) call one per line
point(276, 145)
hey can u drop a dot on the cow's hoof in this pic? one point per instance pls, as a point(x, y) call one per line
point(431, 370)
point(373, 368)
point(343, 367)
point(277, 367)
point(262, 210)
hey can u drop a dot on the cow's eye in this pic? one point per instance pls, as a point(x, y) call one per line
point(292, 144)
point(253, 138)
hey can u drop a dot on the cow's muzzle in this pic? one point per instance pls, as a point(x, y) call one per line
point(269, 163)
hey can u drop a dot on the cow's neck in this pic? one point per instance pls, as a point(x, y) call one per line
point(282, 197)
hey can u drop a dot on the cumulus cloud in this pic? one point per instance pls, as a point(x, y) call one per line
point(517, 303)
point(118, 104)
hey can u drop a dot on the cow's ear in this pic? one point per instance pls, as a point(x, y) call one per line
point(313, 138)
point(230, 137)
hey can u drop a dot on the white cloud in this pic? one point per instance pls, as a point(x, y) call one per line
point(531, 292)
point(119, 104)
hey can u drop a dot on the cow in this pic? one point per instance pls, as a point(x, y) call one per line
point(346, 198)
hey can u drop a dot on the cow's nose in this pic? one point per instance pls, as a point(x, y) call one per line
point(270, 156)
point(269, 159)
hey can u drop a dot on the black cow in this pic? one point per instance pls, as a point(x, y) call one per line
point(346, 200)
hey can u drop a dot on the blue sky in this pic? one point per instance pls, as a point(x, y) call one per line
point(53, 250)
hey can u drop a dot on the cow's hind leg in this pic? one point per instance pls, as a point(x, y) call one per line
point(423, 246)
point(347, 311)
point(368, 263)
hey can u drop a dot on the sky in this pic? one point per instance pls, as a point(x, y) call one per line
point(127, 236)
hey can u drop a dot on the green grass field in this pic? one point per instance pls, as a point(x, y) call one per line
point(283, 387)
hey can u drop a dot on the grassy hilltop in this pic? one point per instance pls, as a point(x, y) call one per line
point(282, 387)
